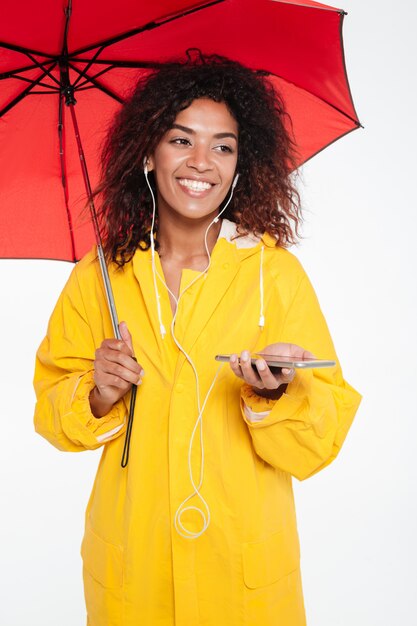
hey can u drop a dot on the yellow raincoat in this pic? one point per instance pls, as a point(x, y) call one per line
point(244, 570)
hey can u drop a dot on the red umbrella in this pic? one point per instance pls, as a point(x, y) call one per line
point(73, 69)
point(51, 56)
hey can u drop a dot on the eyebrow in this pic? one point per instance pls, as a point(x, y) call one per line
point(190, 131)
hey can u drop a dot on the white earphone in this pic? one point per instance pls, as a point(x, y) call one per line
point(196, 484)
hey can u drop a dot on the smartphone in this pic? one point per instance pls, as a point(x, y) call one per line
point(276, 361)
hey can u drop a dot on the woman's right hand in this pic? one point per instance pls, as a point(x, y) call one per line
point(115, 371)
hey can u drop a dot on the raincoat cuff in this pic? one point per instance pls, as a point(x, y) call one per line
point(79, 423)
point(255, 408)
point(286, 407)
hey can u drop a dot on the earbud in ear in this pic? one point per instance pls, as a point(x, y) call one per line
point(234, 183)
point(145, 165)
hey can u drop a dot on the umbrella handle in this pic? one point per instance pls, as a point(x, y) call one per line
point(126, 448)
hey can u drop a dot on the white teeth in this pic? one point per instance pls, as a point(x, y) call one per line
point(195, 185)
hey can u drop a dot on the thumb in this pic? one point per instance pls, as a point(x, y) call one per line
point(126, 336)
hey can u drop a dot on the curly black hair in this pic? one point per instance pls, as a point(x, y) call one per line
point(265, 199)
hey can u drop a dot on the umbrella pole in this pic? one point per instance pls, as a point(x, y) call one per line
point(67, 92)
point(105, 274)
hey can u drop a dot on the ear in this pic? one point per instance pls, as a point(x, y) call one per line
point(150, 163)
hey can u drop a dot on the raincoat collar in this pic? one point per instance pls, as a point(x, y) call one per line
point(226, 257)
point(224, 266)
point(229, 232)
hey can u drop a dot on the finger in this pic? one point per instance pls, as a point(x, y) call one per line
point(132, 376)
point(269, 379)
point(113, 356)
point(249, 374)
point(234, 365)
point(308, 355)
point(126, 336)
point(287, 375)
point(105, 381)
point(116, 344)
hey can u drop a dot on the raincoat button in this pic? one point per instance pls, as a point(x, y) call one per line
point(179, 388)
point(226, 266)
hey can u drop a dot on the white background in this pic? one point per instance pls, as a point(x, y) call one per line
point(357, 519)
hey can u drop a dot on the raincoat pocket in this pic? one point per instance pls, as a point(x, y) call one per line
point(102, 560)
point(267, 561)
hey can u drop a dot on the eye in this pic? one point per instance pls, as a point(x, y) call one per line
point(224, 148)
point(180, 141)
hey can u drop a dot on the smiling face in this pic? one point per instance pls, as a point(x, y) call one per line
point(194, 163)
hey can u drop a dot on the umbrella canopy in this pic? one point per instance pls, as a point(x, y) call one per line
point(89, 56)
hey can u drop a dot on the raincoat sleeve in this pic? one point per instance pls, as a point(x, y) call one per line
point(303, 431)
point(64, 378)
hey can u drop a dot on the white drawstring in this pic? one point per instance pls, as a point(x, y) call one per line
point(261, 290)
point(157, 296)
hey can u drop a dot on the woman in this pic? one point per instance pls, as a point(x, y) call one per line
point(197, 207)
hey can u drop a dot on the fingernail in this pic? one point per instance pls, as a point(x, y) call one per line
point(261, 365)
point(233, 359)
point(287, 372)
point(139, 382)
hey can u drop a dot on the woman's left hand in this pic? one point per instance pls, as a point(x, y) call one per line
point(265, 381)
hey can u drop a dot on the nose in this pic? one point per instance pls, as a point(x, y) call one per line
point(199, 158)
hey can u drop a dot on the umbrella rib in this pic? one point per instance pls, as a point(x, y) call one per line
point(64, 172)
point(13, 73)
point(47, 71)
point(83, 72)
point(95, 76)
point(29, 53)
point(43, 92)
point(342, 45)
point(141, 29)
point(326, 102)
point(312, 6)
point(22, 95)
point(28, 80)
point(112, 66)
point(86, 88)
point(333, 106)
point(330, 143)
point(95, 83)
point(127, 64)
point(26, 51)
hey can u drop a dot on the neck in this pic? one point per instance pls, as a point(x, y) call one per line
point(182, 240)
